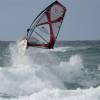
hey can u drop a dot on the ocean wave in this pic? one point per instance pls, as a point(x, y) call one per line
point(65, 49)
point(36, 76)
point(58, 94)
point(25, 78)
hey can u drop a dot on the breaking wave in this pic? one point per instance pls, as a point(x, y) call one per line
point(41, 75)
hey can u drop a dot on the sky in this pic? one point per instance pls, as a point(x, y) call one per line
point(81, 22)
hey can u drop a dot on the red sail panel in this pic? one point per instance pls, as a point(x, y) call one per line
point(45, 28)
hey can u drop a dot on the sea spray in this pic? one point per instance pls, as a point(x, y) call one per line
point(69, 71)
point(40, 74)
point(25, 76)
point(59, 94)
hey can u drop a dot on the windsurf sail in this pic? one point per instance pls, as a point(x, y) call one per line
point(45, 28)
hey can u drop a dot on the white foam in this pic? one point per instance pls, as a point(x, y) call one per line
point(58, 94)
point(25, 76)
point(65, 49)
point(57, 49)
point(61, 49)
point(28, 78)
point(69, 71)
point(28, 74)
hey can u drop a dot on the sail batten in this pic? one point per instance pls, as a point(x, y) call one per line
point(45, 28)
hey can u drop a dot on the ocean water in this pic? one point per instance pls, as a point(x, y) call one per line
point(70, 71)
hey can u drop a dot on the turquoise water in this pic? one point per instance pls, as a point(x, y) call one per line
point(71, 71)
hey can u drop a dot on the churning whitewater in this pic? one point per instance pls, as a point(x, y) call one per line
point(65, 73)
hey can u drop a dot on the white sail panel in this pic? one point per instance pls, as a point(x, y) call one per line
point(56, 11)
